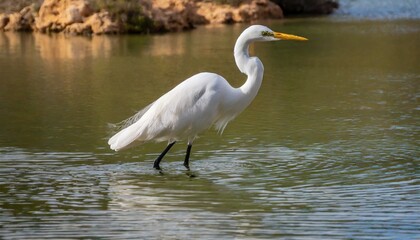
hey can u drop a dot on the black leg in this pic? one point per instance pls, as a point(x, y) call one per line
point(157, 161)
point(187, 157)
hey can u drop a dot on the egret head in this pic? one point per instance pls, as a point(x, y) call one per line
point(263, 33)
point(252, 34)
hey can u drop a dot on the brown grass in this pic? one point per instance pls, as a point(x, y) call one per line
point(8, 6)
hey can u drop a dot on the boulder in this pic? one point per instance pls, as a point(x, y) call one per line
point(247, 11)
point(19, 21)
point(78, 28)
point(78, 17)
point(258, 9)
point(170, 15)
point(97, 23)
point(56, 15)
point(178, 15)
point(4, 20)
point(101, 23)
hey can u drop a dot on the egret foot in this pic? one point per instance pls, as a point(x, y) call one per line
point(157, 161)
point(156, 166)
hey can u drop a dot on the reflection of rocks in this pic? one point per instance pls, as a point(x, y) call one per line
point(166, 45)
point(55, 47)
point(13, 42)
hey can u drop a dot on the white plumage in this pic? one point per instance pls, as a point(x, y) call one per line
point(182, 113)
point(199, 102)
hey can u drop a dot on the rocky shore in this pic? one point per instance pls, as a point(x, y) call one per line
point(145, 16)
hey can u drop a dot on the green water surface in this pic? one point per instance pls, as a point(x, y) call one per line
point(327, 150)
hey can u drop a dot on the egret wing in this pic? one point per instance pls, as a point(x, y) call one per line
point(186, 110)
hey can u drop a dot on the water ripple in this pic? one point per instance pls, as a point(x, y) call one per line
point(297, 191)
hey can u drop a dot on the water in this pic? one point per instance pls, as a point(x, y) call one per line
point(379, 9)
point(328, 149)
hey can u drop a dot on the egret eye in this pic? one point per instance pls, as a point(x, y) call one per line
point(267, 34)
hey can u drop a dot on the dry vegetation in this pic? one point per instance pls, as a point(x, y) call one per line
point(8, 6)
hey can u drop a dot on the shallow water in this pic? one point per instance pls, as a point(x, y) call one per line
point(328, 149)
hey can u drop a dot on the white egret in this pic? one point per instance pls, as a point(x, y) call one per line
point(201, 101)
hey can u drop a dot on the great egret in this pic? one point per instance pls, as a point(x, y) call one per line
point(199, 102)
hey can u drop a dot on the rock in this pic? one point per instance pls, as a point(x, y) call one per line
point(78, 28)
point(258, 9)
point(75, 17)
point(215, 13)
point(177, 15)
point(101, 23)
point(170, 15)
point(78, 17)
point(98, 23)
point(4, 20)
point(13, 23)
point(56, 15)
point(11, 6)
point(307, 6)
point(247, 11)
point(19, 21)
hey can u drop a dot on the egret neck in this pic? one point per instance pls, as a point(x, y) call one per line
point(251, 66)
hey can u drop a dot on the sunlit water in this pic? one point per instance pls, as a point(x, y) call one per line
point(328, 149)
point(379, 9)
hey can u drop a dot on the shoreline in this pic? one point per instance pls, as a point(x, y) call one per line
point(95, 17)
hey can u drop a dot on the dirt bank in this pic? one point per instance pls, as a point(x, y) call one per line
point(136, 16)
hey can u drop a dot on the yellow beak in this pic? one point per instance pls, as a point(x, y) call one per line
point(284, 36)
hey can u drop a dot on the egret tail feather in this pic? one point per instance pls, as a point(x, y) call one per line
point(129, 121)
point(125, 138)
